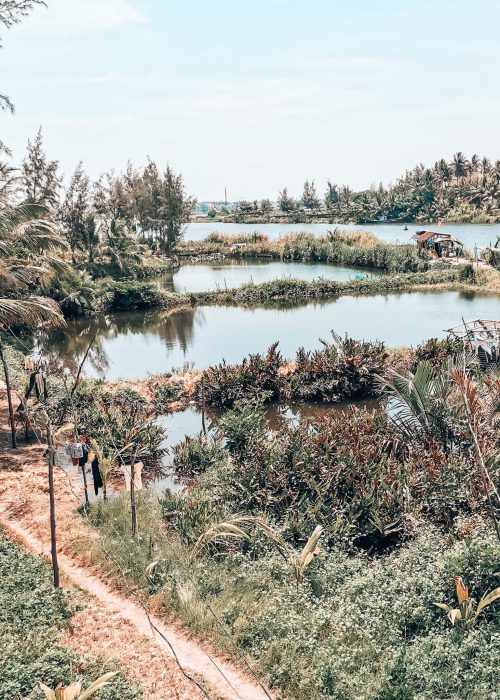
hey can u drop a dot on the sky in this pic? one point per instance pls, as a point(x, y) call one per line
point(255, 95)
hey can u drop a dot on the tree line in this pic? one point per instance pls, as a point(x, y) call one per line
point(148, 202)
point(463, 189)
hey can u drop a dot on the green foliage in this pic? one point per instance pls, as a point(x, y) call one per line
point(134, 296)
point(257, 378)
point(32, 617)
point(165, 393)
point(340, 370)
point(195, 455)
point(356, 627)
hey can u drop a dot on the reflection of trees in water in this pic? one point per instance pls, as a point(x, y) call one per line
point(67, 346)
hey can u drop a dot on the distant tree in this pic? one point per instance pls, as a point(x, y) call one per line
point(175, 208)
point(459, 166)
point(243, 209)
point(285, 202)
point(75, 210)
point(90, 238)
point(266, 207)
point(309, 199)
point(39, 175)
point(211, 213)
point(331, 195)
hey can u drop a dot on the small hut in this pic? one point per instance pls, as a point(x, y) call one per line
point(480, 337)
point(442, 245)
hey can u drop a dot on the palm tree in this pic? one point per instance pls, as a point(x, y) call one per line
point(459, 166)
point(29, 244)
point(418, 404)
point(121, 247)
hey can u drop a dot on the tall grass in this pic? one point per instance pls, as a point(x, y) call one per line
point(357, 248)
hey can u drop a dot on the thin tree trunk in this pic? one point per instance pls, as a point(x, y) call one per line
point(9, 398)
point(53, 537)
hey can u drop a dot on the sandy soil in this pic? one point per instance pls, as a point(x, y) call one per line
point(110, 623)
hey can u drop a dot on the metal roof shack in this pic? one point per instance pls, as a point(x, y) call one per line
point(482, 337)
point(442, 245)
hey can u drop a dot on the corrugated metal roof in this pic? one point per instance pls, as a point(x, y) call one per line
point(423, 236)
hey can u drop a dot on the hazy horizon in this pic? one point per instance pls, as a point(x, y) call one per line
point(257, 95)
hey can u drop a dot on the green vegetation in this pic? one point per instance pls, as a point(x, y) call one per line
point(359, 249)
point(33, 616)
point(402, 510)
point(462, 190)
point(342, 369)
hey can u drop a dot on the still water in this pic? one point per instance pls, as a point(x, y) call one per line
point(182, 424)
point(203, 277)
point(133, 345)
point(469, 234)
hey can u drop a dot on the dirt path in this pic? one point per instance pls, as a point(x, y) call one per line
point(117, 625)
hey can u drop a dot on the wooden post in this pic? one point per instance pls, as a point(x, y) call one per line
point(9, 398)
point(204, 427)
point(53, 539)
point(133, 508)
point(85, 488)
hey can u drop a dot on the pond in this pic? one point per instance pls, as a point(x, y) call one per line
point(133, 345)
point(188, 423)
point(469, 234)
point(202, 277)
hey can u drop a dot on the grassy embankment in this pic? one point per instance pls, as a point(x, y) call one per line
point(356, 248)
point(143, 295)
point(33, 617)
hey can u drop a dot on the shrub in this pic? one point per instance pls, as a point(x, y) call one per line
point(340, 370)
point(257, 378)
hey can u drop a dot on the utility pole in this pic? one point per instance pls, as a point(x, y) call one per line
point(225, 195)
point(53, 539)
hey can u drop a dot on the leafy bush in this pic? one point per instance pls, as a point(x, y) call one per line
point(340, 370)
point(195, 455)
point(133, 296)
point(165, 393)
point(257, 378)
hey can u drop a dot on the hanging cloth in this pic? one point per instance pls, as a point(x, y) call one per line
point(41, 385)
point(96, 474)
point(126, 471)
point(75, 450)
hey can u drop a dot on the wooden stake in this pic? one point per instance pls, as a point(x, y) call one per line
point(133, 508)
point(53, 538)
point(204, 427)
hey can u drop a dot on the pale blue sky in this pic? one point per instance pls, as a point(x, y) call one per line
point(256, 94)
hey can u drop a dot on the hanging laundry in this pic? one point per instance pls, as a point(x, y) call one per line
point(126, 471)
point(41, 385)
point(75, 450)
point(96, 474)
point(85, 449)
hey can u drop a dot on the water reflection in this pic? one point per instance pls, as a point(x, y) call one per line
point(131, 345)
point(188, 423)
point(234, 273)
